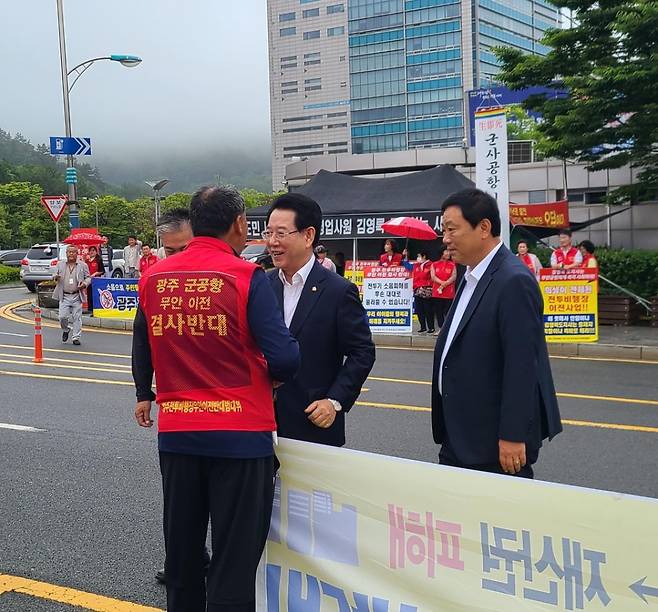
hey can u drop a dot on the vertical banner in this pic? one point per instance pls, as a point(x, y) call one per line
point(358, 532)
point(388, 299)
point(491, 171)
point(570, 304)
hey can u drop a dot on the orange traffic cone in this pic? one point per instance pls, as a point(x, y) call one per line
point(38, 342)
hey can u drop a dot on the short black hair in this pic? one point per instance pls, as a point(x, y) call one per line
point(132, 236)
point(173, 220)
point(565, 231)
point(146, 244)
point(476, 205)
point(423, 254)
point(522, 242)
point(588, 245)
point(213, 209)
point(307, 212)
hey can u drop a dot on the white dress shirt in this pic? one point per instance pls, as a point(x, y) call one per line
point(293, 291)
point(471, 278)
point(291, 294)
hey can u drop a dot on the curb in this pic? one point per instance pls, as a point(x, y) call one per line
point(594, 350)
point(12, 285)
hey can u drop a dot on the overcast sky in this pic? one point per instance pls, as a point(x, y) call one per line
point(203, 81)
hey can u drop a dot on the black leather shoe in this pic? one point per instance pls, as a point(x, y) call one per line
point(65, 335)
point(76, 342)
point(160, 576)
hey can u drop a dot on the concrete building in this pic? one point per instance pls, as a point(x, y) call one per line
point(370, 76)
point(528, 183)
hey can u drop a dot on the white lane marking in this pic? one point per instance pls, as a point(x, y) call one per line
point(20, 427)
point(10, 334)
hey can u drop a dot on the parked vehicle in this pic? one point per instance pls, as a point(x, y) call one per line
point(40, 264)
point(256, 252)
point(118, 264)
point(12, 257)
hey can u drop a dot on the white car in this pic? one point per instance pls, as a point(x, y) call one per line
point(40, 264)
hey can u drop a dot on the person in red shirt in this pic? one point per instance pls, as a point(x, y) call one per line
point(566, 256)
point(587, 250)
point(96, 270)
point(389, 257)
point(444, 274)
point(147, 260)
point(422, 285)
point(529, 259)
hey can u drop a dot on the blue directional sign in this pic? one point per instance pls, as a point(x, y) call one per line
point(61, 145)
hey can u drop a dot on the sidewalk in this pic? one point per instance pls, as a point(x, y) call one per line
point(615, 342)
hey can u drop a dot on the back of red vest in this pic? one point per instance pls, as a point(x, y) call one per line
point(210, 374)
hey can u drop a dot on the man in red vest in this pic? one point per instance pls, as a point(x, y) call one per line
point(566, 256)
point(210, 325)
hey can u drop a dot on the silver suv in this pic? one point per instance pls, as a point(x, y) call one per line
point(40, 264)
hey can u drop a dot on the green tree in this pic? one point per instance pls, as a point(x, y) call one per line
point(608, 63)
point(255, 198)
point(20, 201)
point(115, 217)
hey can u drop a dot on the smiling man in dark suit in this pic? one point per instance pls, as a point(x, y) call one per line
point(493, 398)
point(324, 313)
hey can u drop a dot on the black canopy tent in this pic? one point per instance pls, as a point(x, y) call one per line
point(355, 207)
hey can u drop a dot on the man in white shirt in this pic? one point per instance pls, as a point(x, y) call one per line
point(493, 398)
point(324, 313)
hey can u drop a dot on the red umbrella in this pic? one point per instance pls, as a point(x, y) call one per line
point(409, 227)
point(84, 236)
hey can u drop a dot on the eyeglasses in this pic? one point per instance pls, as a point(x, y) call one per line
point(278, 235)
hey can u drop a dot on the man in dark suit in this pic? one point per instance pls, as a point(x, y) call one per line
point(493, 399)
point(324, 313)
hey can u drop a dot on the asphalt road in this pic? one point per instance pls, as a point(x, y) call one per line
point(81, 499)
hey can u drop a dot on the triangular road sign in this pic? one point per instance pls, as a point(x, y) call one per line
point(55, 205)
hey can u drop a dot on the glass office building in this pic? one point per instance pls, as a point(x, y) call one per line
point(385, 75)
point(411, 62)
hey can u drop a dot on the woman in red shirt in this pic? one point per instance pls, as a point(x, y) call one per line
point(529, 259)
point(389, 257)
point(444, 275)
point(96, 269)
point(422, 285)
point(587, 249)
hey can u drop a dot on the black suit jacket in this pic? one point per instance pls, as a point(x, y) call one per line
point(337, 354)
point(497, 381)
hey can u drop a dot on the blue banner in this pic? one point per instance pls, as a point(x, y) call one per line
point(115, 298)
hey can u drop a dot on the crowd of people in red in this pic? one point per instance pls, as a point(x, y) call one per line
point(433, 284)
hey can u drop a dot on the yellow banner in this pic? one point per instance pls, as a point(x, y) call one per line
point(571, 310)
point(357, 532)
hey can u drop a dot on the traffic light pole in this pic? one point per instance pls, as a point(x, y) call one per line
point(74, 213)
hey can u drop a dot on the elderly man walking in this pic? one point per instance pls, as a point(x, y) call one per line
point(72, 278)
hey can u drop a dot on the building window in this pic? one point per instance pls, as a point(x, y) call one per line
point(287, 17)
point(338, 31)
point(289, 58)
point(304, 147)
point(287, 31)
point(314, 12)
point(312, 84)
point(289, 84)
point(312, 34)
point(306, 118)
point(289, 91)
point(311, 59)
point(306, 1)
point(293, 65)
point(537, 196)
point(335, 8)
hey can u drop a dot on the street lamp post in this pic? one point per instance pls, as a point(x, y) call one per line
point(157, 187)
point(125, 60)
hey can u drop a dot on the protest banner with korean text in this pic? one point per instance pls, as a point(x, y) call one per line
point(393, 535)
point(388, 299)
point(547, 214)
point(114, 298)
point(570, 304)
point(354, 273)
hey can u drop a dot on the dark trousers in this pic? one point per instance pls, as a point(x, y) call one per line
point(424, 312)
point(447, 457)
point(236, 495)
point(441, 306)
